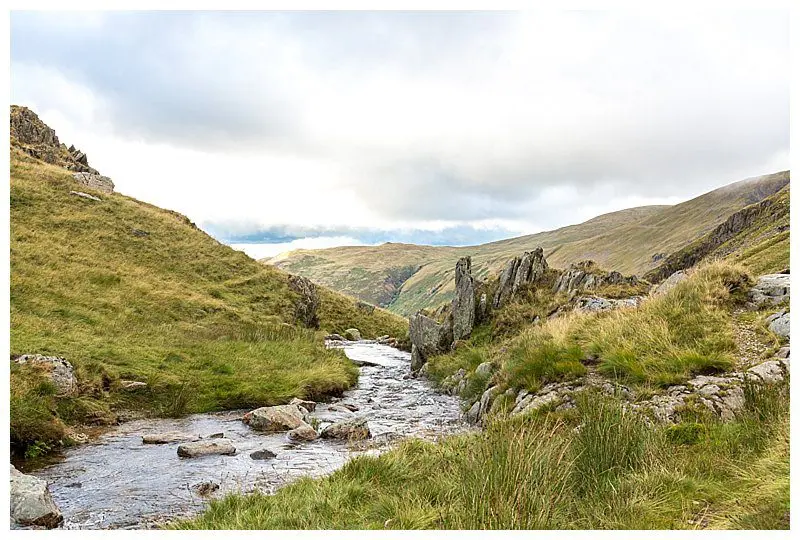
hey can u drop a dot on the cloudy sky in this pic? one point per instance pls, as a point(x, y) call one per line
point(278, 130)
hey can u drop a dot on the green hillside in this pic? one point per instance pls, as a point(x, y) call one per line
point(631, 241)
point(127, 291)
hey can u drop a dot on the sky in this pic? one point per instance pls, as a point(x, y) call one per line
point(274, 131)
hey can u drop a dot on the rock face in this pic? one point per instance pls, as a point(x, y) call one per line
point(34, 137)
point(463, 306)
point(274, 419)
point(95, 181)
point(305, 308)
point(586, 276)
point(207, 447)
point(60, 371)
point(31, 502)
point(669, 283)
point(354, 429)
point(427, 338)
point(770, 288)
point(779, 323)
point(519, 271)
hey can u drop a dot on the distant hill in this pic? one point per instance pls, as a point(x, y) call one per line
point(405, 278)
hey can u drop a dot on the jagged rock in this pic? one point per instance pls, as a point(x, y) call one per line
point(169, 437)
point(586, 276)
point(305, 308)
point(779, 324)
point(262, 454)
point(94, 181)
point(427, 338)
point(463, 305)
point(352, 334)
point(31, 501)
point(669, 283)
point(519, 271)
point(770, 371)
point(354, 429)
point(207, 447)
point(772, 288)
point(60, 371)
point(307, 405)
point(483, 308)
point(272, 419)
point(302, 433)
point(450, 383)
point(476, 414)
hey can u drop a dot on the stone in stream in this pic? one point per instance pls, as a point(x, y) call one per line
point(307, 405)
point(352, 334)
point(31, 502)
point(169, 437)
point(204, 489)
point(355, 429)
point(207, 447)
point(262, 454)
point(302, 433)
point(273, 419)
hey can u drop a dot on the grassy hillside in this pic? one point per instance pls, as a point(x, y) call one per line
point(127, 291)
point(595, 466)
point(629, 241)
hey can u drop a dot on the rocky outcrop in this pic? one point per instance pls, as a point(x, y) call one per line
point(463, 306)
point(274, 419)
point(519, 271)
point(59, 370)
point(37, 139)
point(354, 429)
point(305, 308)
point(593, 304)
point(207, 447)
point(94, 181)
point(770, 289)
point(585, 276)
point(31, 502)
point(427, 338)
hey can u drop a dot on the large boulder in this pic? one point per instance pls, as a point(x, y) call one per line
point(60, 371)
point(31, 502)
point(519, 271)
point(207, 447)
point(463, 306)
point(305, 308)
point(779, 323)
point(354, 429)
point(353, 334)
point(275, 419)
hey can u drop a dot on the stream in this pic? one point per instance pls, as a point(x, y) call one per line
point(116, 481)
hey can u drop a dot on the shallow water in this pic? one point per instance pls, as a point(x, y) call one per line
point(118, 482)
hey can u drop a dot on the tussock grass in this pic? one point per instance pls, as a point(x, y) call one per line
point(204, 325)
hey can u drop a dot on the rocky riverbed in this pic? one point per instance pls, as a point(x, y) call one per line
point(117, 481)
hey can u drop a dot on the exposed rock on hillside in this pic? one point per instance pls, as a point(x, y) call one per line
point(428, 337)
point(59, 370)
point(463, 306)
point(587, 276)
point(95, 181)
point(771, 288)
point(669, 283)
point(519, 271)
point(37, 139)
point(306, 305)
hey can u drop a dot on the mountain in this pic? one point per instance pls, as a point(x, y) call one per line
point(405, 278)
point(128, 292)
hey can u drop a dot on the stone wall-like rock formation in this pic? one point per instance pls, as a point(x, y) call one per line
point(586, 276)
point(463, 305)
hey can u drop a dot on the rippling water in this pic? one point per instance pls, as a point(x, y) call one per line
point(118, 482)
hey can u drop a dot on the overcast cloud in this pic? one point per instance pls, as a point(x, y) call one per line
point(443, 128)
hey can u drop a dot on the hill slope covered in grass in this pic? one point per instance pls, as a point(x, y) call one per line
point(406, 278)
point(127, 291)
